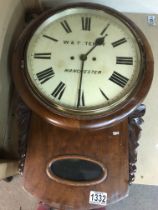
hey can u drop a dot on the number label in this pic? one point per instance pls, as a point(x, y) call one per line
point(66, 26)
point(98, 198)
point(45, 75)
point(119, 42)
point(42, 55)
point(49, 37)
point(81, 98)
point(59, 90)
point(124, 60)
point(119, 79)
point(103, 94)
point(86, 23)
point(104, 30)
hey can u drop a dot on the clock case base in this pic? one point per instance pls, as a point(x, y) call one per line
point(45, 142)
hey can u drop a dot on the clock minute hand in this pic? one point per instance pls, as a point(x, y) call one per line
point(99, 41)
point(80, 83)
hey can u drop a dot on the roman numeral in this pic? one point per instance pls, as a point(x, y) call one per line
point(119, 79)
point(86, 23)
point(59, 90)
point(104, 30)
point(81, 99)
point(42, 55)
point(103, 94)
point(51, 38)
point(45, 75)
point(119, 42)
point(124, 60)
point(66, 26)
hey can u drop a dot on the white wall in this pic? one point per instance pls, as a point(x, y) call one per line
point(137, 6)
point(11, 12)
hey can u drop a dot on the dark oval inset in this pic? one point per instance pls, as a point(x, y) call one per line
point(76, 170)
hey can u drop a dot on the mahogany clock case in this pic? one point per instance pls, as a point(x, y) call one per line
point(49, 138)
point(64, 119)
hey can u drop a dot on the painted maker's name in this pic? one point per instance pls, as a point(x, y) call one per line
point(70, 42)
point(84, 71)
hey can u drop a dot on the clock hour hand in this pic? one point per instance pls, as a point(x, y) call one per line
point(99, 41)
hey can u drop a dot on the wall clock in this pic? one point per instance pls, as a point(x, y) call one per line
point(82, 69)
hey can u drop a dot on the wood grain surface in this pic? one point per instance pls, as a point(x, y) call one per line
point(47, 142)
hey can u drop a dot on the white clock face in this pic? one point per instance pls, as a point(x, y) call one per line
point(83, 61)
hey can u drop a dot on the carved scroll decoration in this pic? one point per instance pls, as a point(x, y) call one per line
point(23, 117)
point(134, 126)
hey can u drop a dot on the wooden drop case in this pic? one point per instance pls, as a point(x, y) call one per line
point(67, 158)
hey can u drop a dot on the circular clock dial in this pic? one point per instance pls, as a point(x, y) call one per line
point(83, 61)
